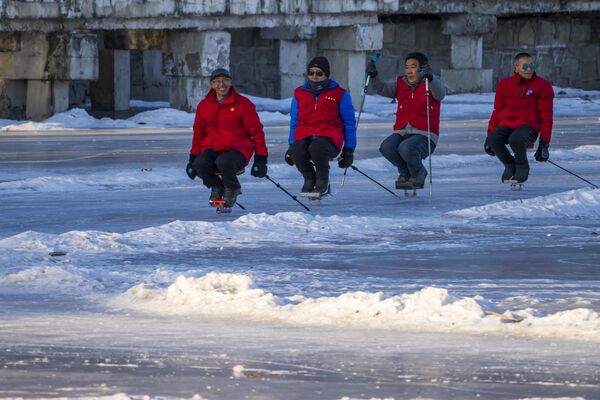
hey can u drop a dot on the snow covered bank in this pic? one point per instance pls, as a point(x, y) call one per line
point(581, 203)
point(430, 309)
point(568, 103)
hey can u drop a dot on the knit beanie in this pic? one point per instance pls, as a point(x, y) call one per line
point(321, 63)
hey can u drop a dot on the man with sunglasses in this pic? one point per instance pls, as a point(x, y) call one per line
point(227, 131)
point(410, 142)
point(322, 123)
point(523, 109)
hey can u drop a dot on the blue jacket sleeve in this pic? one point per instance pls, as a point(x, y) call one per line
point(349, 120)
point(293, 119)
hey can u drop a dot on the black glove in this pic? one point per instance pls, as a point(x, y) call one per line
point(426, 72)
point(371, 69)
point(487, 148)
point(189, 169)
point(288, 156)
point(345, 160)
point(259, 168)
point(542, 153)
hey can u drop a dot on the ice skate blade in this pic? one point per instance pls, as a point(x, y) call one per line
point(220, 206)
point(310, 195)
point(514, 185)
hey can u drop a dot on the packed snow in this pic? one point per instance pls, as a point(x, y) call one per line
point(430, 309)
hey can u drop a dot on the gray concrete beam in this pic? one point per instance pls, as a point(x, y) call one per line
point(190, 22)
point(359, 37)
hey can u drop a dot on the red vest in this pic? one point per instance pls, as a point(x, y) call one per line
point(412, 108)
point(320, 117)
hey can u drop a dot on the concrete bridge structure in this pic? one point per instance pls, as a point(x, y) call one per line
point(59, 54)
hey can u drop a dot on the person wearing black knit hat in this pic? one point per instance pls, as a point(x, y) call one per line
point(322, 63)
point(409, 144)
point(322, 123)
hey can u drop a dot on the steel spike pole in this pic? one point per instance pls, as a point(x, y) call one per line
point(288, 193)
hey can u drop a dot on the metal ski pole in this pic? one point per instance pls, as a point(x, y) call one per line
point(428, 135)
point(373, 180)
point(240, 206)
point(288, 193)
point(572, 173)
point(374, 58)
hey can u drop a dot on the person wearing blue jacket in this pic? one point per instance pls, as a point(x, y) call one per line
point(322, 124)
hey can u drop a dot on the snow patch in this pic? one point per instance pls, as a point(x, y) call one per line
point(431, 309)
point(250, 230)
point(43, 276)
point(580, 203)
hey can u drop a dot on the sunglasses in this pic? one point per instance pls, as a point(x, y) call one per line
point(527, 66)
point(316, 73)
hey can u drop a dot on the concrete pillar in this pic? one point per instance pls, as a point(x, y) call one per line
point(292, 44)
point(112, 89)
point(347, 48)
point(60, 96)
point(188, 61)
point(39, 99)
point(466, 53)
point(122, 79)
point(292, 65)
point(13, 98)
point(155, 85)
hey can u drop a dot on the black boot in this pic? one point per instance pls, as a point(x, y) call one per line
point(230, 196)
point(418, 181)
point(322, 182)
point(402, 181)
point(509, 172)
point(216, 193)
point(309, 182)
point(521, 172)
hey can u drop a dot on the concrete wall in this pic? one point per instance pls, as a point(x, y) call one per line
point(566, 48)
point(254, 63)
point(403, 35)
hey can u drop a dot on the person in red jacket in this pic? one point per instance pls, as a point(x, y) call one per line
point(523, 108)
point(227, 131)
point(322, 123)
point(412, 137)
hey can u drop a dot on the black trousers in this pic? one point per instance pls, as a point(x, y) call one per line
point(518, 139)
point(227, 163)
point(312, 153)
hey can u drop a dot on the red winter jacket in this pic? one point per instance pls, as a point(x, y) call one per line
point(231, 125)
point(412, 108)
point(524, 102)
point(320, 117)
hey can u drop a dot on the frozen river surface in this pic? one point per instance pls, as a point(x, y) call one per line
point(366, 296)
